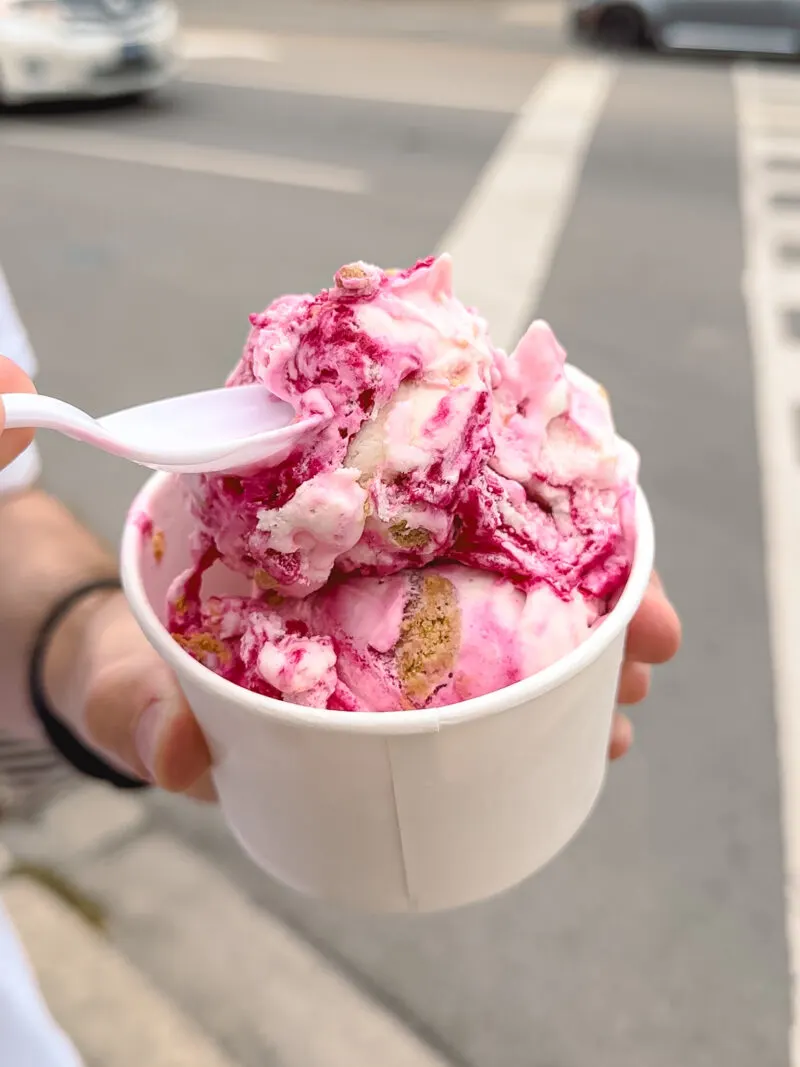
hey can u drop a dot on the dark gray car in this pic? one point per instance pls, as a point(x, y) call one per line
point(758, 26)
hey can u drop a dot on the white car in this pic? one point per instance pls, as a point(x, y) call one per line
point(76, 49)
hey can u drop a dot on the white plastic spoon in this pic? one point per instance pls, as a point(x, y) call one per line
point(219, 430)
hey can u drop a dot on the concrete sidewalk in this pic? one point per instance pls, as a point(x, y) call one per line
point(148, 955)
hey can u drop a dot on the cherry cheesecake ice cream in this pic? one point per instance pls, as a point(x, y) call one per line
point(458, 518)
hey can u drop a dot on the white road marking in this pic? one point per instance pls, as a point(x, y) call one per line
point(505, 237)
point(771, 117)
point(192, 158)
point(541, 14)
point(770, 291)
point(771, 148)
point(113, 1014)
point(229, 44)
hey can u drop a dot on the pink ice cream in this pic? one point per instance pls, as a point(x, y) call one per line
point(459, 519)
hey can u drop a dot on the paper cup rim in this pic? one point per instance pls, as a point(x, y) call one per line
point(385, 723)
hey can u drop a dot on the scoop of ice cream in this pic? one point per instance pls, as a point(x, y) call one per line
point(399, 374)
point(432, 443)
point(432, 637)
point(459, 518)
point(422, 638)
point(256, 645)
point(555, 501)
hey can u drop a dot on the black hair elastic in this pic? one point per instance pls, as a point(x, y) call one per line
point(61, 738)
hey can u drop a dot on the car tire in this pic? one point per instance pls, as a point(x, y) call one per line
point(138, 97)
point(621, 27)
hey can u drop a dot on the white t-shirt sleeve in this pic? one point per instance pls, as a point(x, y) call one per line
point(14, 344)
point(28, 1036)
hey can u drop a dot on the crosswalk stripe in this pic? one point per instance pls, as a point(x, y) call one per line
point(504, 239)
point(772, 295)
point(192, 158)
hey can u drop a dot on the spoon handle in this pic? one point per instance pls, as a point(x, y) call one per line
point(33, 411)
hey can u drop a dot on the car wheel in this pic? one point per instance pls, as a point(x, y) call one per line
point(135, 96)
point(144, 98)
point(621, 27)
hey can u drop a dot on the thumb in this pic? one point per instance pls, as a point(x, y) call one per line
point(12, 442)
point(171, 746)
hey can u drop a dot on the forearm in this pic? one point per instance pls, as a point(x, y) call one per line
point(44, 554)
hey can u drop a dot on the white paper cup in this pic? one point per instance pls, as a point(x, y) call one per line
point(394, 811)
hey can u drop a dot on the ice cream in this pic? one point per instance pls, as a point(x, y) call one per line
point(459, 519)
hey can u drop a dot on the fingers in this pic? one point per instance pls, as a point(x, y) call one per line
point(114, 702)
point(621, 736)
point(654, 635)
point(136, 715)
point(634, 683)
point(171, 745)
point(203, 789)
point(12, 442)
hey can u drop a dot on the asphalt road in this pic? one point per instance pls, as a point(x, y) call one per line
point(658, 938)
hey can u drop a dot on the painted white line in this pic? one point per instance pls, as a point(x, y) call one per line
point(504, 240)
point(777, 393)
point(781, 189)
point(786, 230)
point(229, 44)
point(115, 1017)
point(780, 121)
point(762, 145)
point(778, 80)
point(253, 982)
point(785, 293)
point(192, 158)
point(540, 14)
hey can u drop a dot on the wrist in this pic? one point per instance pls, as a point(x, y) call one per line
point(63, 665)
